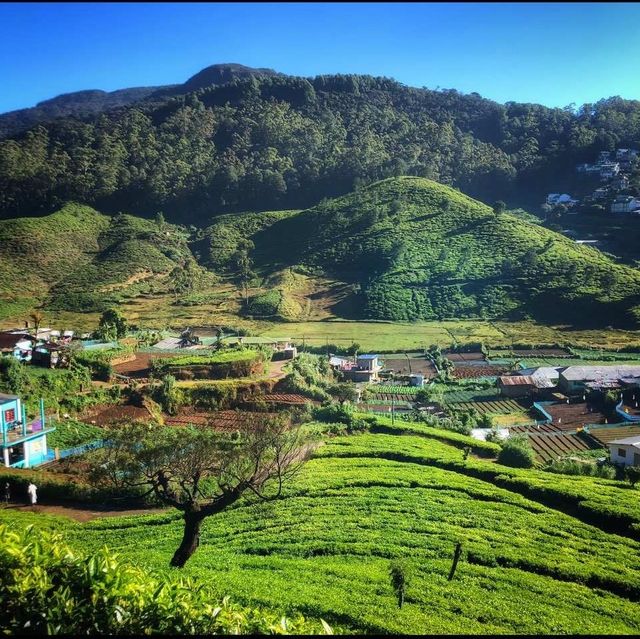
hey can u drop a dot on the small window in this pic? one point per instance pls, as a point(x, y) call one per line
point(622, 452)
point(9, 416)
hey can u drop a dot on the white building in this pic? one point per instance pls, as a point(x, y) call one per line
point(560, 198)
point(625, 204)
point(609, 170)
point(625, 451)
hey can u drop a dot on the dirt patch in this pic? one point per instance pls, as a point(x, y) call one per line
point(105, 414)
point(224, 420)
point(139, 365)
point(471, 372)
point(416, 365)
point(84, 512)
point(464, 357)
point(571, 416)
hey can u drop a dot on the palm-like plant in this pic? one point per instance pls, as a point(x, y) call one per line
point(36, 317)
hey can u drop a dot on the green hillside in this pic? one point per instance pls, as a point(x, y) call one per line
point(421, 250)
point(325, 548)
point(402, 249)
point(78, 259)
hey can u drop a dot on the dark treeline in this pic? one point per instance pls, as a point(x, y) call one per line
point(283, 142)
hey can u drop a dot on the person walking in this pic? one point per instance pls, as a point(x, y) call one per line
point(32, 492)
point(7, 493)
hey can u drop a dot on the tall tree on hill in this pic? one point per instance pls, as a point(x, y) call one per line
point(202, 472)
point(36, 317)
point(244, 264)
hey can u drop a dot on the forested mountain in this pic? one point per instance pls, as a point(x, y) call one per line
point(267, 141)
point(83, 104)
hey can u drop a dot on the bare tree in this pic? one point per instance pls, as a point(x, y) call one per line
point(202, 472)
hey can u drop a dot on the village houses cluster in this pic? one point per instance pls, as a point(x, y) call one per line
point(613, 169)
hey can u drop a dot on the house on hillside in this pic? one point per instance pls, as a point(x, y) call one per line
point(553, 199)
point(17, 344)
point(625, 204)
point(23, 445)
point(50, 355)
point(601, 193)
point(609, 170)
point(574, 379)
point(624, 155)
point(625, 451)
point(620, 182)
point(523, 385)
point(366, 368)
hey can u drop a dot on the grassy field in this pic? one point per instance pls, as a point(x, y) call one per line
point(325, 549)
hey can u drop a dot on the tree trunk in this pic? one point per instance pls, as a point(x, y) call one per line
point(190, 540)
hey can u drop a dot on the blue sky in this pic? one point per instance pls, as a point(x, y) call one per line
point(554, 54)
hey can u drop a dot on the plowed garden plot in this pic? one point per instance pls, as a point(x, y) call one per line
point(104, 414)
point(501, 407)
point(396, 397)
point(530, 428)
point(551, 446)
point(572, 416)
point(605, 435)
point(140, 366)
point(464, 357)
point(284, 398)
point(471, 372)
point(225, 420)
point(404, 366)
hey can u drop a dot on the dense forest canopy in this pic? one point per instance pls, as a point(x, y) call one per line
point(263, 142)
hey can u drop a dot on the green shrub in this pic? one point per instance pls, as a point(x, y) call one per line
point(632, 473)
point(517, 452)
point(46, 588)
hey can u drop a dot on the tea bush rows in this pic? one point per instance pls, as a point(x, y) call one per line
point(46, 588)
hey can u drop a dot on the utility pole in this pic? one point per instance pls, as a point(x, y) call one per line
point(392, 407)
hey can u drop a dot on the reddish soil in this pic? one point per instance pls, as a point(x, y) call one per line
point(548, 447)
point(470, 372)
point(224, 420)
point(464, 357)
point(104, 414)
point(572, 416)
point(285, 398)
point(420, 366)
point(138, 367)
point(83, 512)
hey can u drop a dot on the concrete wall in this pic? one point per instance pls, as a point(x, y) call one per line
point(632, 457)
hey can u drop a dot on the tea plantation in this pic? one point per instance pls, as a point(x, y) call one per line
point(541, 553)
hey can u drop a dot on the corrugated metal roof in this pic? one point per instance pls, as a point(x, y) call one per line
point(628, 441)
point(517, 380)
point(599, 373)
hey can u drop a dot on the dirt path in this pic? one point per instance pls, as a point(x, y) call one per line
point(82, 512)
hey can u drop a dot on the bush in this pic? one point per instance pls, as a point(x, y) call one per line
point(45, 588)
point(575, 467)
point(632, 473)
point(517, 452)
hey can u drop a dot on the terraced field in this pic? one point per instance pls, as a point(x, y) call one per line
point(501, 407)
point(607, 434)
point(325, 549)
point(549, 446)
